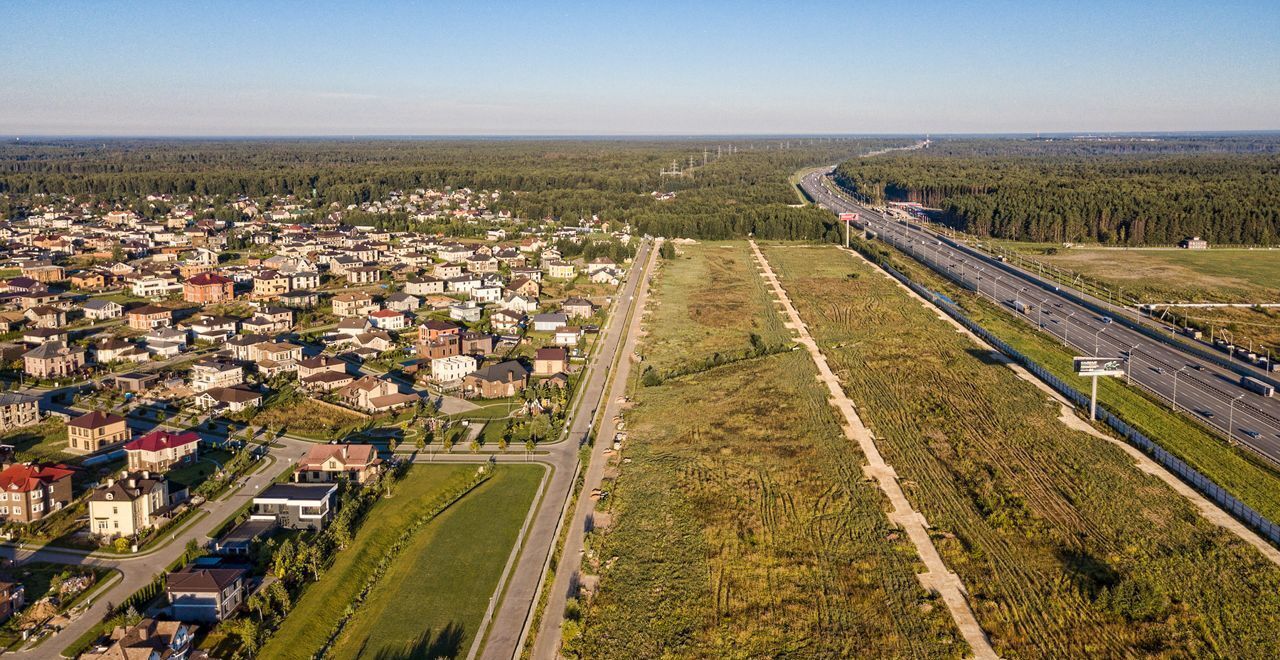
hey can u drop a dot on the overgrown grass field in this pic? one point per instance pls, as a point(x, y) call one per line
point(1066, 548)
point(1166, 275)
point(742, 525)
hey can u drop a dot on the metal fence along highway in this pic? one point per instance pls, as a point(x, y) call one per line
point(1188, 474)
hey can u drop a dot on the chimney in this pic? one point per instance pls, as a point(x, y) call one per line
point(133, 483)
point(110, 482)
point(146, 474)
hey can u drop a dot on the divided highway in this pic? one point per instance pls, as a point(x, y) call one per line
point(1190, 383)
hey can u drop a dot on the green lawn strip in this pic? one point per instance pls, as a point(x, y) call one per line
point(308, 625)
point(433, 597)
point(1065, 547)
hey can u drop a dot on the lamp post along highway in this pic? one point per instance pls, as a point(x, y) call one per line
point(1128, 373)
point(1175, 386)
point(1231, 409)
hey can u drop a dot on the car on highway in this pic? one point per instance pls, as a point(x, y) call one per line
point(1158, 370)
point(1208, 414)
point(1105, 319)
point(1252, 434)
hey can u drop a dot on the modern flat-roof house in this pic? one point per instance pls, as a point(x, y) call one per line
point(205, 594)
point(95, 430)
point(18, 410)
point(295, 505)
point(30, 491)
point(211, 373)
point(160, 450)
point(452, 368)
point(330, 463)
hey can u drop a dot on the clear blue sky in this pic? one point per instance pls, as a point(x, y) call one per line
point(604, 67)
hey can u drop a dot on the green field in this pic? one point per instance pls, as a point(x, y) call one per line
point(430, 603)
point(1172, 275)
point(743, 526)
point(1066, 549)
point(305, 630)
point(45, 442)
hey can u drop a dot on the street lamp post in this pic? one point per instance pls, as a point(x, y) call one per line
point(1066, 328)
point(1128, 364)
point(1096, 337)
point(1231, 409)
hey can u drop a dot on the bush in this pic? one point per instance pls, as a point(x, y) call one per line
point(1135, 599)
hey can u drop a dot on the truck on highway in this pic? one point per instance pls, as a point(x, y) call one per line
point(1256, 386)
point(1021, 307)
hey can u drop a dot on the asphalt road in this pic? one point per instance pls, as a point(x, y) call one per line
point(1192, 385)
point(508, 629)
point(547, 641)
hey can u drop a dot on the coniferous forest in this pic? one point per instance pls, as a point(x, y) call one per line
point(1121, 192)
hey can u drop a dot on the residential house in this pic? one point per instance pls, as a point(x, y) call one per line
point(128, 505)
point(46, 316)
point(45, 273)
point(424, 286)
point(497, 380)
point(550, 361)
point(330, 463)
point(18, 410)
point(31, 491)
point(362, 275)
point(53, 359)
point(232, 399)
point(207, 288)
point(299, 299)
point(323, 373)
point(600, 263)
point(295, 505)
point(99, 309)
point(374, 394)
point(525, 287)
point(13, 596)
point(403, 302)
point(452, 368)
point(241, 347)
point(505, 320)
point(210, 373)
point(271, 283)
point(118, 350)
point(560, 270)
point(354, 304)
point(205, 594)
point(160, 450)
point(432, 329)
point(304, 279)
point(149, 317)
point(443, 346)
point(275, 357)
point(149, 639)
point(94, 431)
point(155, 287)
point(578, 308)
point(468, 311)
point(549, 322)
point(88, 280)
point(486, 294)
point(212, 329)
point(568, 335)
point(477, 343)
point(389, 319)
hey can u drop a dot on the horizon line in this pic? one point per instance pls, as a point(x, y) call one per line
point(17, 137)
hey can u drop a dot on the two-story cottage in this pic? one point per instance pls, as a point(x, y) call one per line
point(94, 431)
point(31, 491)
point(160, 450)
point(128, 505)
point(330, 463)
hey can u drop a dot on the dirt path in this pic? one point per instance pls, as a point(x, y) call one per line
point(938, 577)
point(1145, 463)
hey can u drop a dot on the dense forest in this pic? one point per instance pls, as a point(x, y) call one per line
point(1124, 192)
point(727, 187)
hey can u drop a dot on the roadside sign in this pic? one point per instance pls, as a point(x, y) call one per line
point(848, 217)
point(1093, 366)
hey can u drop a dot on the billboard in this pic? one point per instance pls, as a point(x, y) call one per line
point(1096, 366)
point(848, 217)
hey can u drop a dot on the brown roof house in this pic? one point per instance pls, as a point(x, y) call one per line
point(149, 317)
point(374, 394)
point(234, 399)
point(148, 639)
point(128, 505)
point(95, 430)
point(550, 361)
point(329, 463)
point(205, 594)
point(497, 380)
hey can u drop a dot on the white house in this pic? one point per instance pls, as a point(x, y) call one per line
point(388, 319)
point(453, 368)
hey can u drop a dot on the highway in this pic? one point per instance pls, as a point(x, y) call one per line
point(1191, 384)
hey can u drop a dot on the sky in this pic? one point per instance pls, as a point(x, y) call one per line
point(459, 67)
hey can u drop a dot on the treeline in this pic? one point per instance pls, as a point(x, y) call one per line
point(744, 190)
point(1122, 194)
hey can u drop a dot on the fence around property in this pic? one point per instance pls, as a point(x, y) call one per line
point(1188, 474)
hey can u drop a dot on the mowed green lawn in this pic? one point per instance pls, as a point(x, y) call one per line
point(311, 620)
point(431, 601)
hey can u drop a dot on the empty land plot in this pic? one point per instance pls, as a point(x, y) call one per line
point(1066, 548)
point(309, 623)
point(712, 302)
point(742, 525)
point(1214, 275)
point(430, 602)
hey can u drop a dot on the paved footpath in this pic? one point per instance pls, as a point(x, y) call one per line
point(547, 642)
point(938, 577)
